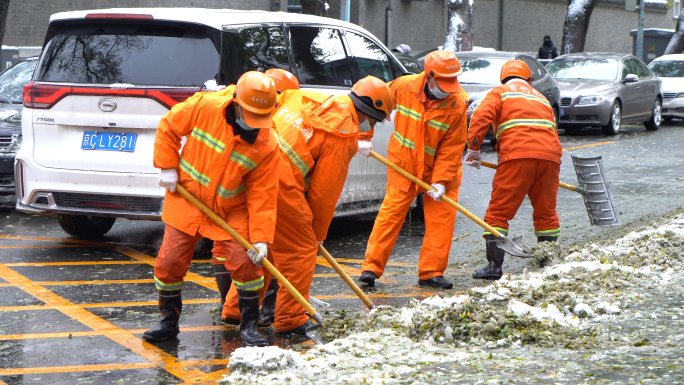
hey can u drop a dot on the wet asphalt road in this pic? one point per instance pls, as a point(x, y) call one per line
point(72, 311)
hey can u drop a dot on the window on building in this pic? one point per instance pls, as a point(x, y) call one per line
point(676, 9)
point(293, 6)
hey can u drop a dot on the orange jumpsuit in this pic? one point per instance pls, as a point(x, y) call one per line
point(237, 180)
point(428, 141)
point(318, 137)
point(529, 155)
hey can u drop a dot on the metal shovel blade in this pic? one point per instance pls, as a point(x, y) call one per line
point(314, 332)
point(593, 185)
point(515, 246)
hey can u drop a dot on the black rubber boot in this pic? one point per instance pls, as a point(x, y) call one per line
point(249, 313)
point(495, 256)
point(223, 282)
point(170, 306)
point(439, 282)
point(547, 239)
point(368, 277)
point(268, 304)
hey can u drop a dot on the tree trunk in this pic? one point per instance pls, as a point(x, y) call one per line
point(676, 44)
point(576, 25)
point(460, 26)
point(315, 7)
point(4, 10)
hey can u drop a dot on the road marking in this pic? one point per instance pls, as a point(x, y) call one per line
point(586, 145)
point(147, 351)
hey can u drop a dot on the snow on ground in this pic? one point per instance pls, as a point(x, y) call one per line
point(579, 303)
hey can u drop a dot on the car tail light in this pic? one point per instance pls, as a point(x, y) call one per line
point(118, 16)
point(44, 96)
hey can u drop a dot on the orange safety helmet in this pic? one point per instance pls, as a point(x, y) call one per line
point(256, 93)
point(515, 69)
point(373, 97)
point(284, 80)
point(445, 68)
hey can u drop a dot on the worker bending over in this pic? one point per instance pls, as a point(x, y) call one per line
point(529, 158)
point(318, 136)
point(230, 163)
point(428, 141)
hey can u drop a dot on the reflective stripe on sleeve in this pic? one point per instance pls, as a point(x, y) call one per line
point(242, 160)
point(544, 123)
point(209, 140)
point(227, 194)
point(430, 151)
point(194, 174)
point(413, 114)
point(292, 155)
point(438, 125)
point(403, 141)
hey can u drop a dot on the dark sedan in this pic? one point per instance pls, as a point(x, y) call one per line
point(606, 90)
point(482, 72)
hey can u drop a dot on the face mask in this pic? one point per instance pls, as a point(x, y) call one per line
point(241, 122)
point(436, 92)
point(365, 125)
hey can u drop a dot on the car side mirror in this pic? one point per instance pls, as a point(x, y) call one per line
point(631, 78)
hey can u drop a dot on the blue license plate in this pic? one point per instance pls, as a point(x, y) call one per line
point(562, 111)
point(108, 141)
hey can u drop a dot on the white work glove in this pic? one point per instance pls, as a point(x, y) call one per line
point(473, 158)
point(259, 254)
point(365, 148)
point(168, 179)
point(437, 195)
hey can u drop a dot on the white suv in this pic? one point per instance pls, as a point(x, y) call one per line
point(106, 77)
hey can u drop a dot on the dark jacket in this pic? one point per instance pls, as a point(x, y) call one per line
point(547, 50)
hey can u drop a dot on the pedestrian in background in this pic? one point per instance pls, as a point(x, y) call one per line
point(547, 50)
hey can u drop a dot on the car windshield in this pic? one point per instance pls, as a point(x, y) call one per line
point(103, 53)
point(481, 70)
point(13, 80)
point(668, 68)
point(584, 68)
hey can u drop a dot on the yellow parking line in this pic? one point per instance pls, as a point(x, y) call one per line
point(43, 239)
point(75, 368)
point(39, 246)
point(147, 351)
point(586, 145)
point(25, 264)
point(402, 264)
point(91, 333)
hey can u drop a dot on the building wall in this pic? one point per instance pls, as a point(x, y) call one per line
point(420, 24)
point(27, 20)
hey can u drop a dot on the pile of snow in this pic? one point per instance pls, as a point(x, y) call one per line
point(550, 307)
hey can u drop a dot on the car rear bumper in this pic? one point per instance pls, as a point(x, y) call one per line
point(7, 173)
point(46, 191)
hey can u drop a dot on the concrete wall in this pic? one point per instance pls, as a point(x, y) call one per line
point(420, 24)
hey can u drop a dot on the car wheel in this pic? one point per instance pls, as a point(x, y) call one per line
point(613, 126)
point(556, 117)
point(654, 123)
point(82, 226)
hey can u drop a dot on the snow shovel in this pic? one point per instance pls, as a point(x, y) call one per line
point(593, 186)
point(514, 246)
point(312, 332)
point(345, 277)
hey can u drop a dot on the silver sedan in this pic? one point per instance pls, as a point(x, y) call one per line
point(606, 90)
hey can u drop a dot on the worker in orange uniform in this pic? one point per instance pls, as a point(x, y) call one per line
point(230, 163)
point(318, 136)
point(529, 158)
point(429, 138)
point(283, 80)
